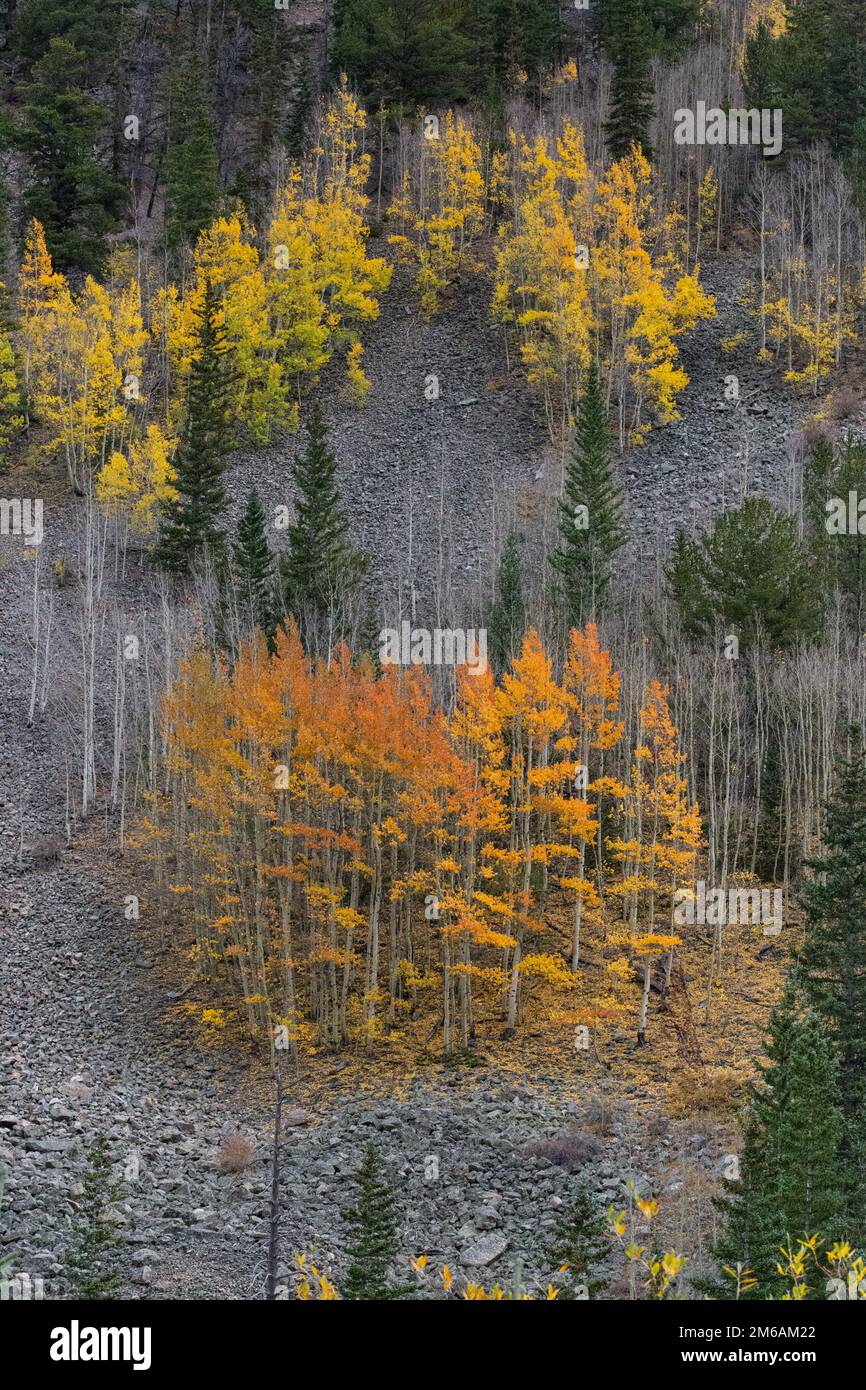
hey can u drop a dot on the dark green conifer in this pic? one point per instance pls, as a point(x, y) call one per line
point(590, 514)
point(190, 528)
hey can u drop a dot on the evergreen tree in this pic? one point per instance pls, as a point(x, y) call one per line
point(301, 107)
point(254, 569)
point(94, 27)
point(404, 52)
point(192, 186)
point(632, 95)
point(372, 1224)
point(190, 528)
point(590, 513)
point(506, 625)
point(760, 69)
point(512, 35)
point(814, 70)
point(791, 1181)
point(321, 573)
point(91, 1265)
point(751, 573)
point(67, 186)
point(580, 1241)
point(669, 24)
point(831, 965)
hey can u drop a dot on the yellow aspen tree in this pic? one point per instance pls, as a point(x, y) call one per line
point(40, 287)
point(641, 316)
point(440, 207)
point(540, 287)
point(348, 280)
point(138, 483)
point(227, 258)
point(77, 385)
point(11, 405)
point(297, 310)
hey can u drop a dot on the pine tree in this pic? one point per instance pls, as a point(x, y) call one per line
point(791, 1181)
point(93, 26)
point(669, 24)
point(513, 35)
point(590, 525)
point(751, 573)
point(814, 71)
point(190, 527)
point(760, 68)
point(192, 187)
point(67, 186)
point(580, 1241)
point(506, 626)
point(632, 95)
point(299, 113)
point(321, 572)
point(254, 569)
point(91, 1266)
point(831, 965)
point(410, 52)
point(372, 1224)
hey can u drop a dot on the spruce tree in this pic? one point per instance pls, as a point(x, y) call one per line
point(590, 513)
point(791, 1181)
point(192, 187)
point(669, 24)
point(580, 1241)
point(300, 109)
point(254, 571)
point(321, 571)
point(91, 1265)
point(814, 70)
point(632, 95)
point(95, 27)
point(751, 573)
point(190, 528)
point(409, 52)
point(831, 965)
point(760, 68)
point(507, 622)
point(372, 1224)
point(67, 185)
